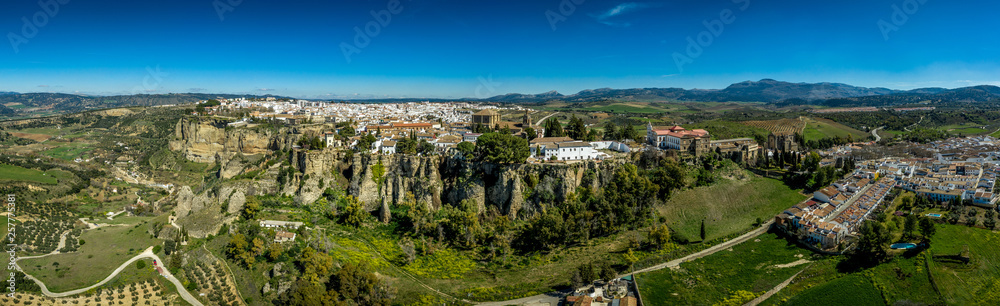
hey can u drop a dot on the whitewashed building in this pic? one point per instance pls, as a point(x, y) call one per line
point(571, 150)
point(280, 224)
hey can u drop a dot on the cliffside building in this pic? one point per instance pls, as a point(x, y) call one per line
point(695, 142)
point(747, 148)
point(784, 142)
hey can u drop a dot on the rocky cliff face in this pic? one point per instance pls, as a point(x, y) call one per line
point(518, 191)
point(208, 140)
point(512, 190)
point(204, 213)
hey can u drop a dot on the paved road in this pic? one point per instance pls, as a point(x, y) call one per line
point(146, 254)
point(773, 291)
point(539, 123)
point(553, 298)
point(875, 133)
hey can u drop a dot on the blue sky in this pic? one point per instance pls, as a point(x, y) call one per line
point(454, 49)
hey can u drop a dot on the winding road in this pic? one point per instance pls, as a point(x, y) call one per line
point(148, 253)
point(875, 133)
point(539, 123)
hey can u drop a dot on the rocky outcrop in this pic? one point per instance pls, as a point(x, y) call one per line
point(204, 213)
point(206, 140)
point(435, 180)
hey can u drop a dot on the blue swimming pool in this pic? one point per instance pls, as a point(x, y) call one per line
point(902, 246)
point(934, 215)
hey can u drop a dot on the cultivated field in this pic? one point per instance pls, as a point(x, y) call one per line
point(101, 251)
point(144, 293)
point(817, 129)
point(782, 126)
point(211, 279)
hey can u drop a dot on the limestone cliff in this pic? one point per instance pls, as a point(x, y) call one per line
point(435, 180)
point(518, 191)
point(206, 140)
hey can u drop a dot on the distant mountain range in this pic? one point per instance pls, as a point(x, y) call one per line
point(766, 90)
point(34, 104)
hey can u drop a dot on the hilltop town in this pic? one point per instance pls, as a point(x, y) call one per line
point(620, 208)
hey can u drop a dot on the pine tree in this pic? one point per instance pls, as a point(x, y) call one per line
point(703, 230)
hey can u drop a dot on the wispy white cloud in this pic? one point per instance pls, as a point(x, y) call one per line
point(265, 89)
point(619, 10)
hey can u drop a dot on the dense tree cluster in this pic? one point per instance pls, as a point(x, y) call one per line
point(365, 143)
point(615, 132)
point(825, 142)
point(311, 142)
point(502, 148)
point(410, 145)
point(579, 131)
point(352, 284)
point(467, 149)
point(553, 128)
point(923, 135)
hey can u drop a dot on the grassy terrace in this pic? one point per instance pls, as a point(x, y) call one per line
point(15, 173)
point(751, 267)
point(908, 278)
point(850, 290)
point(823, 128)
point(961, 284)
point(965, 129)
point(727, 207)
point(69, 151)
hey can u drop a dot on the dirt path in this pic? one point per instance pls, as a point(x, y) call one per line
point(676, 263)
point(792, 264)
point(553, 298)
point(62, 244)
point(148, 253)
point(773, 291)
